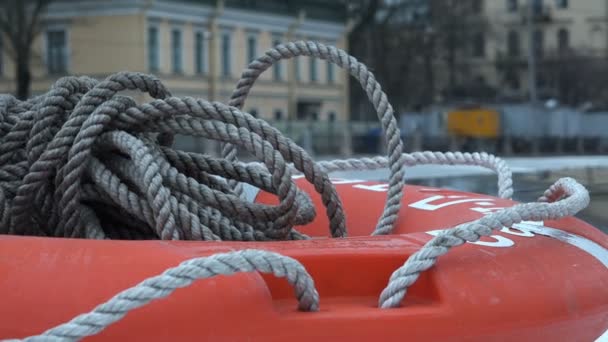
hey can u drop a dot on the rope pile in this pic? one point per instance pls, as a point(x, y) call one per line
point(85, 161)
point(82, 160)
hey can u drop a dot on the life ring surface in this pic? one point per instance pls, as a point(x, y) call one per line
point(541, 281)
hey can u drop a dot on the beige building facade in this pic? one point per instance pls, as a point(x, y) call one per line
point(198, 48)
point(575, 26)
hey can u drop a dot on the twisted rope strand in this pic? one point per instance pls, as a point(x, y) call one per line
point(375, 94)
point(488, 161)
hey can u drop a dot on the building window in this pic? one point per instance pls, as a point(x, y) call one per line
point(512, 5)
point(276, 68)
point(538, 42)
point(513, 47)
point(331, 116)
point(562, 3)
point(226, 55)
point(515, 84)
point(537, 7)
point(56, 51)
point(1, 56)
point(199, 52)
point(331, 77)
point(563, 39)
point(477, 6)
point(278, 114)
point(479, 45)
point(313, 69)
point(512, 79)
point(153, 49)
point(541, 79)
point(176, 51)
point(252, 48)
point(297, 66)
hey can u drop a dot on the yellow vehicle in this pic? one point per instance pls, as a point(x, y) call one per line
point(474, 122)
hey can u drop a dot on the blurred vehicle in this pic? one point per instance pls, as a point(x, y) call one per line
point(508, 127)
point(473, 122)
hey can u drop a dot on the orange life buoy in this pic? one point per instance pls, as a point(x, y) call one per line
point(536, 281)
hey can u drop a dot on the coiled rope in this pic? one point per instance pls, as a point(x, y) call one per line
point(82, 160)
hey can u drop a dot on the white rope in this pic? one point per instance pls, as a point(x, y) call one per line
point(480, 159)
point(485, 160)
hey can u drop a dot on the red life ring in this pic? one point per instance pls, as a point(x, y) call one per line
point(541, 281)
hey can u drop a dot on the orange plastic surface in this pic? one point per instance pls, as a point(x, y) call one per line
point(538, 289)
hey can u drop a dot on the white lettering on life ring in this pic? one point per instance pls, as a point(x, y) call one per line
point(534, 228)
point(381, 187)
point(521, 230)
point(501, 241)
point(428, 205)
point(338, 181)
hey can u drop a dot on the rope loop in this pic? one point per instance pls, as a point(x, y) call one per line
point(374, 92)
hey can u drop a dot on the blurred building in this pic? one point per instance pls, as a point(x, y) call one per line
point(198, 48)
point(479, 50)
point(568, 38)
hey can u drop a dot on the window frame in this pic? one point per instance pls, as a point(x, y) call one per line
point(2, 59)
point(177, 68)
point(561, 47)
point(226, 58)
point(277, 68)
point(538, 7)
point(277, 114)
point(332, 116)
point(203, 70)
point(313, 71)
point(477, 6)
point(155, 26)
point(331, 73)
point(516, 52)
point(298, 68)
point(539, 43)
point(46, 47)
point(477, 51)
point(252, 52)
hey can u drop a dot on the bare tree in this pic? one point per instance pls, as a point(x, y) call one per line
point(416, 47)
point(391, 37)
point(457, 24)
point(362, 14)
point(20, 23)
point(576, 76)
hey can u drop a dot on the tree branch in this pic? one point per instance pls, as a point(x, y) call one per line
point(369, 15)
point(7, 26)
point(34, 22)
